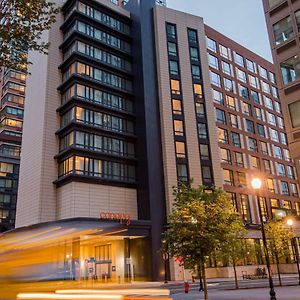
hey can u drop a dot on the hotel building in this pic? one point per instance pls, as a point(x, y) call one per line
point(131, 99)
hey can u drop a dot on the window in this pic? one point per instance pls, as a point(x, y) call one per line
point(287, 204)
point(250, 126)
point(250, 66)
point(215, 79)
point(274, 202)
point(194, 54)
point(175, 87)
point(263, 207)
point(228, 177)
point(261, 130)
point(174, 68)
point(228, 85)
point(5, 199)
point(213, 61)
point(273, 3)
point(280, 169)
point(202, 131)
point(6, 168)
point(192, 36)
point(271, 185)
point(220, 116)
point(287, 155)
point(211, 44)
point(172, 49)
point(255, 162)
point(277, 152)
point(294, 190)
point(233, 199)
point(227, 68)
point(239, 159)
point(178, 127)
point(223, 136)
point(265, 87)
point(267, 166)
point(180, 149)
point(294, 109)
point(233, 121)
point(171, 31)
point(225, 52)
point(200, 111)
point(204, 152)
point(241, 178)
point(225, 156)
point(277, 107)
point(245, 208)
point(274, 92)
point(290, 172)
point(236, 139)
point(271, 119)
point(206, 174)
point(252, 144)
point(246, 108)
point(230, 102)
point(244, 92)
point(255, 96)
point(182, 172)
point(196, 73)
point(274, 135)
point(272, 77)
point(253, 81)
point(176, 106)
point(284, 188)
point(283, 138)
point(241, 75)
point(258, 113)
point(280, 122)
point(283, 30)
point(263, 72)
point(297, 16)
point(218, 97)
point(198, 90)
point(290, 69)
point(239, 59)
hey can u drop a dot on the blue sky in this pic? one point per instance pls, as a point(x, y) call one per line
point(241, 20)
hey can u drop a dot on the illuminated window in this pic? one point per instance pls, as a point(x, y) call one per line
point(6, 168)
point(223, 136)
point(297, 208)
point(294, 189)
point(241, 178)
point(228, 177)
point(198, 90)
point(178, 127)
point(255, 162)
point(175, 87)
point(180, 149)
point(245, 208)
point(238, 159)
point(177, 108)
point(271, 185)
point(225, 156)
point(287, 204)
point(233, 121)
point(230, 102)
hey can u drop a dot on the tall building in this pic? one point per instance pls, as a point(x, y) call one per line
point(283, 22)
point(12, 87)
point(129, 101)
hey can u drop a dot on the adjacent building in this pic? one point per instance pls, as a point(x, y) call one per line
point(131, 99)
point(12, 88)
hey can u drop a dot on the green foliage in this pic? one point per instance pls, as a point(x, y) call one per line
point(23, 24)
point(200, 224)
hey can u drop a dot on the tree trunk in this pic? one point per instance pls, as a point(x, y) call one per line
point(201, 289)
point(277, 264)
point(204, 281)
point(235, 274)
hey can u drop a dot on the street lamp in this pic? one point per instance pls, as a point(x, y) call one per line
point(256, 185)
point(290, 223)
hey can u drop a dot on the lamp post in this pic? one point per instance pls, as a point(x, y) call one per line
point(256, 185)
point(290, 223)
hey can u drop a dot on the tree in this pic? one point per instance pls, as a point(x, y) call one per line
point(279, 236)
point(200, 223)
point(22, 25)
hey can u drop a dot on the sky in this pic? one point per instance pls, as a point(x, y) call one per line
point(241, 20)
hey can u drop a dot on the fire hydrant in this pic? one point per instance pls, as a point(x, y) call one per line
point(186, 287)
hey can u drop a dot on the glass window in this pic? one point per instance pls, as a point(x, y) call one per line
point(263, 72)
point(255, 162)
point(265, 87)
point(274, 135)
point(253, 81)
point(255, 96)
point(174, 68)
point(277, 107)
point(283, 138)
point(284, 188)
point(239, 159)
point(241, 178)
point(206, 174)
point(271, 118)
point(229, 85)
point(273, 3)
point(228, 177)
point(241, 75)
point(280, 122)
point(198, 90)
point(180, 149)
point(280, 169)
point(225, 52)
point(268, 103)
point(192, 36)
point(245, 209)
point(277, 152)
point(250, 66)
point(211, 44)
point(290, 69)
point(220, 116)
point(177, 107)
point(246, 107)
point(290, 172)
point(244, 92)
point(218, 97)
point(230, 102)
point(267, 166)
point(194, 54)
point(252, 144)
point(178, 127)
point(172, 49)
point(258, 113)
point(204, 152)
point(215, 79)
point(182, 172)
point(236, 139)
point(225, 156)
point(175, 87)
point(271, 185)
point(261, 130)
point(233, 121)
point(274, 92)
point(287, 155)
point(250, 126)
point(239, 59)
point(227, 68)
point(213, 61)
point(297, 16)
point(223, 136)
point(294, 109)
point(294, 191)
point(283, 30)
point(200, 110)
point(196, 72)
point(171, 31)
point(202, 131)
point(272, 77)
